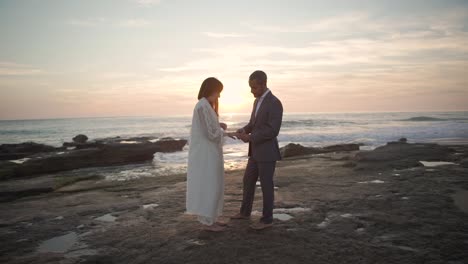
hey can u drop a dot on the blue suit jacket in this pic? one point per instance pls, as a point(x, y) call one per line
point(264, 129)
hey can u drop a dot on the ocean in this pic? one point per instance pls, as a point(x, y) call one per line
point(308, 129)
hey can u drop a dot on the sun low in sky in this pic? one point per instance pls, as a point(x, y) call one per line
point(148, 58)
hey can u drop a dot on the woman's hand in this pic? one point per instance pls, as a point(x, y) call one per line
point(223, 126)
point(232, 135)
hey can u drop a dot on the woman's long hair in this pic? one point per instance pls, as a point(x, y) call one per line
point(209, 87)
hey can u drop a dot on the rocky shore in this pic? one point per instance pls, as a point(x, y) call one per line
point(28, 159)
point(400, 203)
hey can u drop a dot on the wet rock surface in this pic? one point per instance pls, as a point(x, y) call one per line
point(106, 152)
point(337, 215)
point(293, 149)
point(399, 155)
point(19, 151)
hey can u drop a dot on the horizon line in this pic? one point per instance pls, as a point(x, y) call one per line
point(227, 114)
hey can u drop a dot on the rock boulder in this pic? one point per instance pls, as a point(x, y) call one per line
point(19, 151)
point(292, 149)
point(401, 155)
point(100, 155)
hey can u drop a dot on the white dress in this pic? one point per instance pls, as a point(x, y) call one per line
point(205, 171)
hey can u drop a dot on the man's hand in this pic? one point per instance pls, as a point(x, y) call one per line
point(232, 135)
point(240, 130)
point(223, 126)
point(244, 137)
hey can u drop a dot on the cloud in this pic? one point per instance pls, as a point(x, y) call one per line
point(351, 42)
point(353, 25)
point(353, 57)
point(330, 24)
point(86, 22)
point(14, 69)
point(224, 35)
point(133, 96)
point(120, 75)
point(128, 23)
point(135, 23)
point(147, 2)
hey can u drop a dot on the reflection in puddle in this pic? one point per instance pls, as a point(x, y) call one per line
point(20, 161)
point(282, 214)
point(460, 199)
point(59, 244)
point(196, 242)
point(291, 210)
point(436, 163)
point(129, 142)
point(107, 218)
point(374, 181)
point(324, 223)
point(149, 206)
point(81, 252)
point(360, 230)
point(68, 244)
point(282, 217)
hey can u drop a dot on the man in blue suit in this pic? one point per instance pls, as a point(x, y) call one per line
point(261, 133)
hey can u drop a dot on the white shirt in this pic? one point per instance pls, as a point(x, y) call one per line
point(260, 100)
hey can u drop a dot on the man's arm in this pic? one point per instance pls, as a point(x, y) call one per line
point(272, 127)
point(246, 129)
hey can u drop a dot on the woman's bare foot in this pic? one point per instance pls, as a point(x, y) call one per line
point(221, 223)
point(214, 228)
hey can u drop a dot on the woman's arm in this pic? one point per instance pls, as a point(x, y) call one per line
point(210, 124)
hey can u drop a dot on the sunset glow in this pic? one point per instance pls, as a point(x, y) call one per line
point(141, 58)
point(236, 97)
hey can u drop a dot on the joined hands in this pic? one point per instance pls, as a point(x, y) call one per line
point(239, 134)
point(242, 136)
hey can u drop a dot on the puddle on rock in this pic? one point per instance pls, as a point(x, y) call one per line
point(374, 181)
point(324, 223)
point(59, 244)
point(291, 210)
point(436, 163)
point(460, 198)
point(282, 217)
point(129, 142)
point(150, 206)
point(196, 242)
point(279, 216)
point(81, 252)
point(20, 161)
point(107, 218)
point(360, 230)
point(68, 244)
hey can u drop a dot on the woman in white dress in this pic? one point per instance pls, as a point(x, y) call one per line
point(205, 171)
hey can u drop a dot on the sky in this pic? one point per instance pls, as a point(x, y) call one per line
point(101, 58)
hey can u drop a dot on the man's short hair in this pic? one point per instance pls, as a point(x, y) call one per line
point(259, 76)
